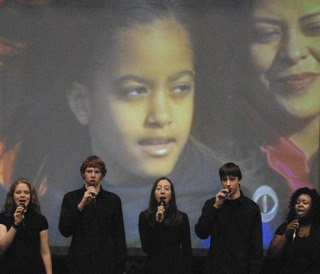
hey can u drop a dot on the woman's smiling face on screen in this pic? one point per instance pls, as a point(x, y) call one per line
point(285, 50)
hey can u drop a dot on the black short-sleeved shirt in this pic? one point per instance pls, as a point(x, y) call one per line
point(301, 255)
point(23, 255)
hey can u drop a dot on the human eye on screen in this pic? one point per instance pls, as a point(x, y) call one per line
point(133, 93)
point(182, 89)
point(313, 28)
point(266, 34)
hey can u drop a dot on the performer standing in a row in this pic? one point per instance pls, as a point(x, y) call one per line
point(295, 247)
point(93, 217)
point(234, 223)
point(165, 232)
point(24, 232)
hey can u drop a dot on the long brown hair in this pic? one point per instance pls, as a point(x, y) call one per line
point(10, 206)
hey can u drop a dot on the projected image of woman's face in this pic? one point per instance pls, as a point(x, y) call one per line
point(286, 53)
point(140, 115)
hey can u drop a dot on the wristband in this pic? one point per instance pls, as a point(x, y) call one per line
point(16, 226)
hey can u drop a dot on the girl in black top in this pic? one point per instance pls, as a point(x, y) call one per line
point(24, 232)
point(296, 243)
point(165, 232)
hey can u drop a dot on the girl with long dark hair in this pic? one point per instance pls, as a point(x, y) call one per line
point(296, 243)
point(165, 232)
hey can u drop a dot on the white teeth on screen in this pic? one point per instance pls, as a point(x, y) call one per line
point(161, 151)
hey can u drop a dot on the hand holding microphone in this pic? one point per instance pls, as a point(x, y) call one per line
point(292, 228)
point(91, 193)
point(19, 213)
point(161, 209)
point(22, 204)
point(228, 192)
point(296, 229)
point(88, 196)
point(221, 196)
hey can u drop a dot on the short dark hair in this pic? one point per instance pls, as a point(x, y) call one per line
point(95, 33)
point(230, 169)
point(93, 161)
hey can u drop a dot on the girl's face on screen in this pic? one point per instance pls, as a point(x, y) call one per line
point(141, 110)
point(285, 50)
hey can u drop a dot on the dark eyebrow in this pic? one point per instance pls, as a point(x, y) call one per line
point(268, 20)
point(276, 21)
point(142, 80)
point(132, 78)
point(309, 16)
point(181, 74)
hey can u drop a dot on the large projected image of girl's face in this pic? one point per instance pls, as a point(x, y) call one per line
point(140, 112)
point(286, 53)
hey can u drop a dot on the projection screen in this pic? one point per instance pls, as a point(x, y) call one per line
point(232, 85)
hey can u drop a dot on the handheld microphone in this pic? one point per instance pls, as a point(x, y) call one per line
point(163, 203)
point(297, 217)
point(92, 194)
point(227, 195)
point(23, 204)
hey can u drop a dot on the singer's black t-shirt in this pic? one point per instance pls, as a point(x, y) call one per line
point(23, 255)
point(301, 255)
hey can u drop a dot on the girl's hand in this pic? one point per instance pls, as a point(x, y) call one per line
point(160, 213)
point(19, 214)
point(291, 227)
